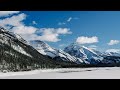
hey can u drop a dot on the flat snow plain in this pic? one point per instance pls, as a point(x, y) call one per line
point(66, 73)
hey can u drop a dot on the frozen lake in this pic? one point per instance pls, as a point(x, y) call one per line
point(69, 73)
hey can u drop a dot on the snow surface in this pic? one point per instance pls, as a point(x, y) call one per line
point(43, 48)
point(69, 73)
point(20, 49)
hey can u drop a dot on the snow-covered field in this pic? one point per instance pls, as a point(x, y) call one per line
point(69, 73)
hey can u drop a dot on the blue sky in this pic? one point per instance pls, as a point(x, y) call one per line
point(105, 25)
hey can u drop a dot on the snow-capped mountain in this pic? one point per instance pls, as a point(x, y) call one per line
point(45, 49)
point(16, 54)
point(12, 35)
point(110, 53)
point(8, 37)
point(76, 53)
point(83, 52)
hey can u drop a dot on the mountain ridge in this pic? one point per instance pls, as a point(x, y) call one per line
point(19, 55)
point(74, 53)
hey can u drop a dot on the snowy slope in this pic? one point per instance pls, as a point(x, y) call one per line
point(7, 37)
point(12, 35)
point(68, 57)
point(111, 58)
point(83, 52)
point(45, 49)
point(110, 53)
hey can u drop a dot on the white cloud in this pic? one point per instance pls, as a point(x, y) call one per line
point(7, 13)
point(93, 47)
point(52, 34)
point(34, 22)
point(48, 34)
point(87, 40)
point(113, 42)
point(29, 37)
point(15, 23)
point(27, 32)
point(15, 20)
point(69, 19)
point(113, 50)
point(63, 31)
point(23, 30)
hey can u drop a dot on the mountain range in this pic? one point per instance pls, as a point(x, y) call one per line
point(16, 54)
point(78, 54)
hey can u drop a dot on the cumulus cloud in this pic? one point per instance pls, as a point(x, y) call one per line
point(113, 42)
point(7, 13)
point(87, 40)
point(52, 34)
point(23, 30)
point(113, 50)
point(63, 31)
point(48, 35)
point(15, 23)
point(15, 20)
